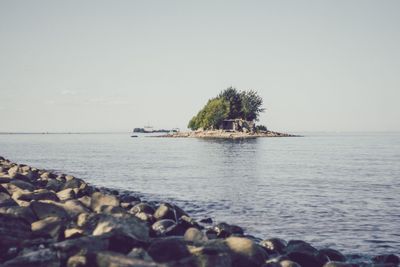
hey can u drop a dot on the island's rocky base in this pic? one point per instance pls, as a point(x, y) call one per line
point(227, 134)
point(49, 219)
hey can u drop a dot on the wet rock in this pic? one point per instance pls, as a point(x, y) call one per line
point(40, 258)
point(163, 227)
point(19, 184)
point(108, 258)
point(127, 198)
point(331, 255)
point(142, 207)
point(139, 253)
point(168, 249)
point(66, 194)
point(47, 209)
point(99, 199)
point(386, 259)
point(224, 230)
point(165, 211)
point(52, 227)
point(40, 194)
point(24, 213)
point(6, 200)
point(194, 235)
point(73, 208)
point(304, 254)
point(148, 218)
point(245, 252)
point(48, 175)
point(74, 183)
point(77, 261)
point(111, 209)
point(274, 245)
point(86, 201)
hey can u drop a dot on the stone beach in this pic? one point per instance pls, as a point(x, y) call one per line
point(53, 219)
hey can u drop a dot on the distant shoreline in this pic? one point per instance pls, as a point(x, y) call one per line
point(227, 134)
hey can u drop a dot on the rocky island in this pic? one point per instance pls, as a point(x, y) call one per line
point(54, 219)
point(230, 115)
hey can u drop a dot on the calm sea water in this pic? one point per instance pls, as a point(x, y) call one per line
point(333, 190)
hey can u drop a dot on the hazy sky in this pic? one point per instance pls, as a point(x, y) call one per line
point(114, 65)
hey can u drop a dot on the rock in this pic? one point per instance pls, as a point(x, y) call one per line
point(66, 194)
point(274, 245)
point(165, 211)
point(47, 175)
point(77, 261)
point(40, 194)
point(224, 230)
point(86, 201)
point(54, 185)
point(187, 222)
point(48, 209)
point(40, 258)
point(108, 258)
point(163, 227)
point(71, 247)
point(331, 255)
point(52, 227)
point(74, 183)
point(13, 231)
point(73, 233)
point(73, 208)
point(338, 264)
point(6, 200)
point(168, 249)
point(82, 220)
point(127, 198)
point(19, 184)
point(145, 217)
point(387, 258)
point(288, 263)
point(142, 207)
point(24, 213)
point(194, 235)
point(245, 252)
point(123, 231)
point(111, 209)
point(99, 199)
point(139, 253)
point(69, 178)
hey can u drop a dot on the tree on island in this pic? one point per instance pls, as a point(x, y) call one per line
point(228, 105)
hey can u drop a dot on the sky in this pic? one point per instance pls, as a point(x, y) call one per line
point(83, 66)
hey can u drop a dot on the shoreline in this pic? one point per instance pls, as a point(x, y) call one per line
point(50, 219)
point(227, 134)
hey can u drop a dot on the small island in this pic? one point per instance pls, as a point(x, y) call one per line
point(230, 115)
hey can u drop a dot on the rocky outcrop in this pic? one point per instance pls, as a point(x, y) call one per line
point(49, 219)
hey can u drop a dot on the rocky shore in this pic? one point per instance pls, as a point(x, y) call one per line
point(52, 219)
point(227, 134)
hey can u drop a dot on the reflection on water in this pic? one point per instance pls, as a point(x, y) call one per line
point(333, 190)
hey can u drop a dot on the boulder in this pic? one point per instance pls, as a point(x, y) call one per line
point(73, 233)
point(48, 209)
point(77, 261)
point(24, 213)
point(19, 184)
point(142, 207)
point(86, 201)
point(224, 230)
point(39, 194)
point(54, 185)
point(163, 227)
point(288, 263)
point(6, 200)
point(52, 227)
point(73, 207)
point(71, 247)
point(165, 211)
point(168, 250)
point(274, 245)
point(194, 235)
point(74, 183)
point(108, 258)
point(338, 264)
point(13, 231)
point(148, 218)
point(39, 258)
point(331, 255)
point(111, 209)
point(66, 194)
point(245, 252)
point(100, 199)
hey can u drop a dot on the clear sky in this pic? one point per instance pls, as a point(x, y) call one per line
point(114, 65)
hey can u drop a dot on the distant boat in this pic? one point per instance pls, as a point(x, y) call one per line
point(134, 136)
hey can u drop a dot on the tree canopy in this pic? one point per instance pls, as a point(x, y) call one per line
point(229, 104)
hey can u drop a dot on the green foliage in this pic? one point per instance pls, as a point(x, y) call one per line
point(261, 128)
point(229, 104)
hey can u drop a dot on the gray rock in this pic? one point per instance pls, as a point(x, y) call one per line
point(111, 210)
point(77, 261)
point(288, 263)
point(168, 249)
point(108, 258)
point(148, 218)
point(48, 209)
point(165, 211)
point(224, 230)
point(387, 259)
point(13, 231)
point(245, 252)
point(19, 184)
point(73, 207)
point(73, 233)
point(142, 207)
point(39, 194)
point(52, 227)
point(331, 255)
point(54, 185)
point(24, 213)
point(86, 201)
point(163, 227)
point(6, 200)
point(71, 247)
point(66, 194)
point(99, 199)
point(74, 183)
point(40, 258)
point(337, 264)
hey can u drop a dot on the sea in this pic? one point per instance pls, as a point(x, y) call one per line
point(336, 190)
